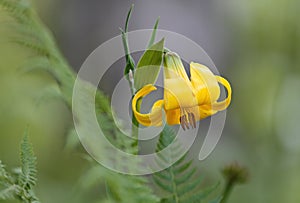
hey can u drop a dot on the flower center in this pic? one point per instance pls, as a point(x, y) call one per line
point(187, 119)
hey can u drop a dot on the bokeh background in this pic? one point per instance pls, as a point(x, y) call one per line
point(254, 44)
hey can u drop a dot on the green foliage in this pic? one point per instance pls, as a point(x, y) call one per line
point(47, 57)
point(17, 8)
point(153, 35)
point(20, 185)
point(130, 64)
point(148, 67)
point(180, 181)
point(27, 178)
point(120, 188)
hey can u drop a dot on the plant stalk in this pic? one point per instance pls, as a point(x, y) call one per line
point(227, 191)
point(135, 125)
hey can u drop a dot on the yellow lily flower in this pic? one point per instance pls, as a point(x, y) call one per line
point(185, 100)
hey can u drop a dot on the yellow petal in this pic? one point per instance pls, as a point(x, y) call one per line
point(173, 116)
point(204, 83)
point(206, 111)
point(178, 94)
point(154, 118)
point(220, 106)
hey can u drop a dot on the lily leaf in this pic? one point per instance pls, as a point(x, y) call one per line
point(130, 64)
point(148, 67)
point(153, 35)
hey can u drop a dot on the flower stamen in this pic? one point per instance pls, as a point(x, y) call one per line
point(192, 120)
point(187, 120)
point(184, 122)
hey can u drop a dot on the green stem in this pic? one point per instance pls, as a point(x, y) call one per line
point(227, 191)
point(108, 191)
point(135, 124)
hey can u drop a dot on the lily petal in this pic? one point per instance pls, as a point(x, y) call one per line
point(220, 106)
point(178, 94)
point(173, 116)
point(154, 118)
point(206, 111)
point(205, 84)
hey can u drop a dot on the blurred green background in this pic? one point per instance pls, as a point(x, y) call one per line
point(254, 44)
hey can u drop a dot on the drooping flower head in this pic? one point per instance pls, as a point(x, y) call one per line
point(186, 100)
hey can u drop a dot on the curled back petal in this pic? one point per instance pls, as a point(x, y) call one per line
point(154, 118)
point(220, 106)
point(206, 111)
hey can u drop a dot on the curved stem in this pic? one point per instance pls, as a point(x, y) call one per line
point(227, 191)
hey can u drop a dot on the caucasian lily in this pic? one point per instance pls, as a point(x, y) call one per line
point(185, 100)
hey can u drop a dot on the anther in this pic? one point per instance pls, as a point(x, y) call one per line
point(182, 122)
point(186, 122)
point(192, 120)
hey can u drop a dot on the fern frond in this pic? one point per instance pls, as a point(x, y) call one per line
point(3, 173)
point(37, 63)
point(9, 193)
point(20, 184)
point(32, 34)
point(28, 177)
point(18, 9)
point(180, 181)
point(32, 44)
point(200, 195)
point(122, 188)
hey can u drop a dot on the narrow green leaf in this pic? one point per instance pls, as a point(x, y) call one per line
point(186, 176)
point(36, 64)
point(200, 195)
point(184, 167)
point(176, 154)
point(164, 175)
point(153, 35)
point(183, 189)
point(163, 158)
point(167, 187)
point(130, 64)
point(128, 17)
